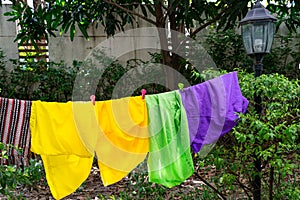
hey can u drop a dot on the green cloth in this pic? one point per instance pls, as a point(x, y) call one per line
point(170, 161)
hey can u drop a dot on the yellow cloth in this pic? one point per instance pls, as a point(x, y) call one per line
point(67, 155)
point(67, 134)
point(65, 173)
point(123, 142)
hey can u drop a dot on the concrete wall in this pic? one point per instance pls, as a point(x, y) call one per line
point(61, 47)
point(7, 35)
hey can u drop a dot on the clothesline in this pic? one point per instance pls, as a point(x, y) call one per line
point(123, 132)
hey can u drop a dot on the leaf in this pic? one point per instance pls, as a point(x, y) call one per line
point(83, 30)
point(151, 9)
point(144, 10)
point(72, 31)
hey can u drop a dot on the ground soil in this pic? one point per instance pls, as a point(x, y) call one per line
point(94, 189)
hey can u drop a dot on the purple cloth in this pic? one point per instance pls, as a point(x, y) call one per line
point(211, 108)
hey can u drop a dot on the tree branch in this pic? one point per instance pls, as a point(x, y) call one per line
point(135, 4)
point(130, 11)
point(204, 25)
point(211, 21)
point(243, 186)
point(209, 185)
point(271, 183)
point(168, 10)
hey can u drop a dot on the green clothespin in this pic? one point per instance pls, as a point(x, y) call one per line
point(181, 86)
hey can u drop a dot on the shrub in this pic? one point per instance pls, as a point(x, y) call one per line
point(285, 56)
point(273, 137)
point(227, 50)
point(12, 176)
point(55, 81)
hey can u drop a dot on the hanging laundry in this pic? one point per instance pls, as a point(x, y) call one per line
point(212, 108)
point(170, 161)
point(67, 155)
point(66, 135)
point(124, 140)
point(14, 129)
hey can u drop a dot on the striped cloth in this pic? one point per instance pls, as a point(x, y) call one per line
point(14, 129)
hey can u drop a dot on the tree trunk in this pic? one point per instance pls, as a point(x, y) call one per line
point(271, 182)
point(167, 57)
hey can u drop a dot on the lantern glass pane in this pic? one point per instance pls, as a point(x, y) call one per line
point(271, 31)
point(247, 40)
point(259, 37)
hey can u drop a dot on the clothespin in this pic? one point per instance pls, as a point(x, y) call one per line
point(181, 86)
point(93, 98)
point(143, 91)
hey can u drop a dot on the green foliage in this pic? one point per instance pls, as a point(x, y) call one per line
point(141, 187)
point(44, 20)
point(113, 16)
point(39, 81)
point(56, 81)
point(227, 50)
point(138, 187)
point(3, 72)
point(284, 57)
point(289, 15)
point(97, 76)
point(12, 176)
point(273, 137)
point(36, 21)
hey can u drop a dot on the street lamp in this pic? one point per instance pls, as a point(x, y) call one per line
point(258, 28)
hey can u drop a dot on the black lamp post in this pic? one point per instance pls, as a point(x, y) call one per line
point(258, 28)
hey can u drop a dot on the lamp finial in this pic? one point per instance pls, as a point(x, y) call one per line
point(258, 5)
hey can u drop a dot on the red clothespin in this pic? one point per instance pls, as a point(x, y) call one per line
point(93, 98)
point(143, 93)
